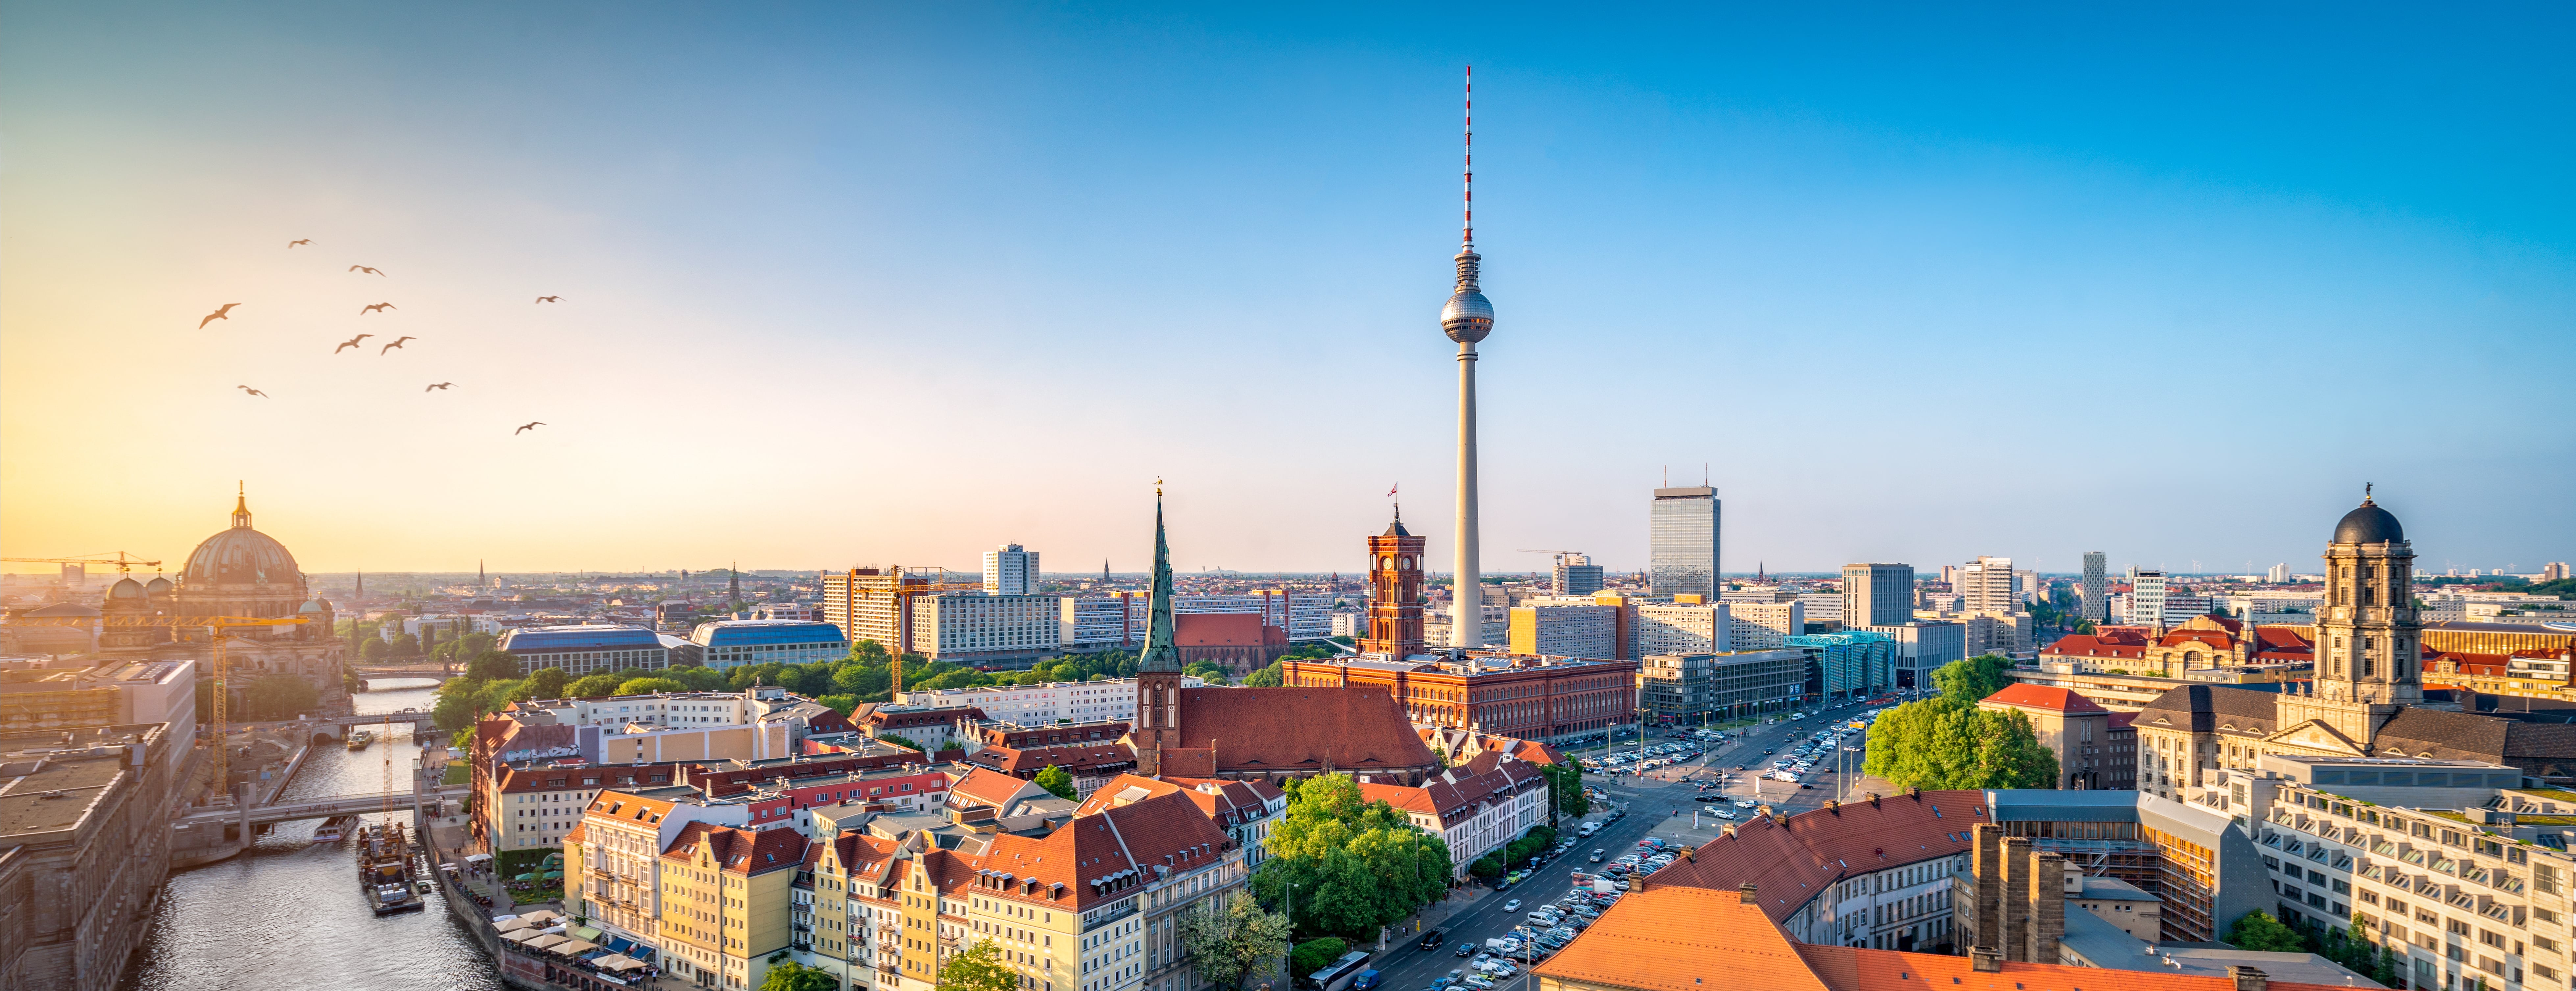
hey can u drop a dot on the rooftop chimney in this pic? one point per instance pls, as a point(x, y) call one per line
point(2249, 978)
point(1746, 895)
point(1985, 959)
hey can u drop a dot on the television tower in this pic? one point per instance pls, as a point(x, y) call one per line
point(1467, 319)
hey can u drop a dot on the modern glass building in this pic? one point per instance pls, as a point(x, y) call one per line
point(2097, 588)
point(1681, 539)
point(736, 642)
point(1847, 664)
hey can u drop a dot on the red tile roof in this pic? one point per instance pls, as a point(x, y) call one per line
point(1358, 729)
point(2031, 696)
point(1456, 793)
point(1674, 939)
point(1224, 802)
point(1794, 858)
point(1022, 762)
point(739, 851)
point(1100, 856)
point(1847, 968)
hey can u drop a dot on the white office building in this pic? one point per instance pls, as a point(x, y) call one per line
point(1987, 583)
point(965, 628)
point(1678, 628)
point(1010, 570)
point(2146, 597)
point(1764, 625)
point(1039, 705)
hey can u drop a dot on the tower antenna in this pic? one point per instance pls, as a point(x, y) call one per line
point(1469, 234)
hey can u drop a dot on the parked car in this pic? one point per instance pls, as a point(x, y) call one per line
point(1465, 950)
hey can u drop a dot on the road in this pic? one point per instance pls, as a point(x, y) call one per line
point(1652, 803)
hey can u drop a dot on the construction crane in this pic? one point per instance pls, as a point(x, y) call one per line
point(123, 561)
point(215, 627)
point(901, 592)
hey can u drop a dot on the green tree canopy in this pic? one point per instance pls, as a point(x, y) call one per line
point(1056, 780)
point(788, 975)
point(1272, 676)
point(1356, 865)
point(374, 649)
point(1970, 681)
point(548, 683)
point(901, 741)
point(1941, 743)
point(2258, 930)
point(647, 686)
point(1315, 954)
point(595, 685)
point(277, 696)
point(1565, 789)
point(843, 704)
point(1234, 940)
point(980, 968)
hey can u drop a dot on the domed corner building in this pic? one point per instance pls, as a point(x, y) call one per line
point(242, 572)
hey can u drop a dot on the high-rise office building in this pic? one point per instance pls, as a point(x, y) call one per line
point(1682, 541)
point(1877, 594)
point(1575, 575)
point(2146, 597)
point(2280, 574)
point(2551, 572)
point(1010, 571)
point(1987, 583)
point(2097, 587)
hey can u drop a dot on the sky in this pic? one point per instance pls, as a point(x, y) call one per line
point(895, 284)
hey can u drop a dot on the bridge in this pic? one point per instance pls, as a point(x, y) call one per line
point(317, 808)
point(423, 725)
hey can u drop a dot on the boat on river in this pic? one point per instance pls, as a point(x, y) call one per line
point(385, 857)
point(359, 740)
point(334, 829)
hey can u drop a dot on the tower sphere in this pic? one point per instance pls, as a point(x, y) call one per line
point(1468, 317)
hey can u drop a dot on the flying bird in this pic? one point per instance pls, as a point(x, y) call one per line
point(217, 315)
point(397, 343)
point(293, 243)
point(532, 425)
point(549, 299)
point(350, 343)
point(438, 385)
point(252, 391)
point(362, 268)
point(374, 307)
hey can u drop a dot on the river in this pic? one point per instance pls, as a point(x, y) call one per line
point(286, 914)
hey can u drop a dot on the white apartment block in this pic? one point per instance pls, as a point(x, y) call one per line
point(1822, 607)
point(966, 623)
point(659, 709)
point(1987, 583)
point(1684, 628)
point(2146, 598)
point(1010, 570)
point(1039, 705)
point(1763, 625)
point(1305, 617)
point(1095, 623)
point(1350, 624)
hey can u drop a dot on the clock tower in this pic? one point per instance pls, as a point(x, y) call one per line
point(1395, 587)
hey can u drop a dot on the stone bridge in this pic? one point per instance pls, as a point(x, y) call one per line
point(316, 808)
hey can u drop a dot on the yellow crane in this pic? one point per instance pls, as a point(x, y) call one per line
point(124, 562)
point(215, 627)
point(902, 592)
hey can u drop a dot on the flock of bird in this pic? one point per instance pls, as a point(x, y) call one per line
point(224, 312)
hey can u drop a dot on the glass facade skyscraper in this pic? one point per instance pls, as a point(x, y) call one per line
point(1682, 542)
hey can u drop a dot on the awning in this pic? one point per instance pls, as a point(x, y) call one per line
point(521, 935)
point(478, 858)
point(573, 948)
point(618, 945)
point(587, 932)
point(546, 941)
point(618, 962)
point(516, 923)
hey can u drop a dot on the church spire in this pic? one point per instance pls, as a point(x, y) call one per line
point(1160, 655)
point(241, 507)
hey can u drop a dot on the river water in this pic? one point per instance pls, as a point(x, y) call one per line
point(286, 914)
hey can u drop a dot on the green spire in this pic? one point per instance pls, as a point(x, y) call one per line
point(1160, 655)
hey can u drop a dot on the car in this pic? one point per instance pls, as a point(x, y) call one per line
point(1430, 941)
point(1622, 885)
point(1721, 813)
point(1464, 950)
point(1513, 905)
point(1478, 981)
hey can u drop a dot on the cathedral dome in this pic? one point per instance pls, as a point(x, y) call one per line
point(316, 604)
point(125, 588)
point(240, 555)
point(156, 588)
point(2368, 524)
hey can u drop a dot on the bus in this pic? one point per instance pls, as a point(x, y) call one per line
point(1340, 974)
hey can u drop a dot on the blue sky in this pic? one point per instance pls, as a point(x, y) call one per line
point(876, 285)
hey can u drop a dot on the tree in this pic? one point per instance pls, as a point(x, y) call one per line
point(548, 683)
point(1054, 779)
point(492, 664)
point(2258, 930)
point(594, 686)
point(406, 646)
point(788, 975)
point(647, 686)
point(1941, 742)
point(980, 968)
point(1357, 865)
point(1268, 677)
point(1315, 954)
point(1565, 789)
point(1231, 942)
point(374, 649)
point(1970, 681)
point(870, 653)
point(843, 704)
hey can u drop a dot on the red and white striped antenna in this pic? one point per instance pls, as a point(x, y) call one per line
point(1470, 235)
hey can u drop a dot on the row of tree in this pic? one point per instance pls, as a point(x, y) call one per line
point(1947, 742)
